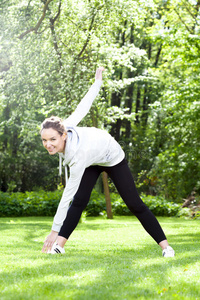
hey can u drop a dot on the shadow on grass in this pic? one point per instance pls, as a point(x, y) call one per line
point(105, 270)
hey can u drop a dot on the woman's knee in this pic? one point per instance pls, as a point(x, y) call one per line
point(137, 208)
point(80, 202)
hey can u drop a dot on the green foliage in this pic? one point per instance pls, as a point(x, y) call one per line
point(185, 212)
point(177, 165)
point(42, 203)
point(119, 208)
point(150, 98)
point(29, 203)
point(96, 205)
point(160, 206)
point(48, 73)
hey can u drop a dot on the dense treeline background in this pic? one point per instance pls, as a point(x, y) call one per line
point(49, 50)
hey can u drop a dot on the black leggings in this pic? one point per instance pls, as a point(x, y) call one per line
point(123, 180)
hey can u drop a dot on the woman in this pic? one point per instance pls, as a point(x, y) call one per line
point(87, 152)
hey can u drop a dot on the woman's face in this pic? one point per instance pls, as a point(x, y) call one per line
point(53, 141)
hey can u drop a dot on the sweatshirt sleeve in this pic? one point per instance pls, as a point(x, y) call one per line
point(84, 106)
point(76, 173)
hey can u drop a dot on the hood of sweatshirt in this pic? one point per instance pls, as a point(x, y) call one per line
point(70, 149)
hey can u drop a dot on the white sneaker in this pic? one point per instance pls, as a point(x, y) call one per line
point(56, 249)
point(168, 252)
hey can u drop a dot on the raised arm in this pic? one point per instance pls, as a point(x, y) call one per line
point(85, 104)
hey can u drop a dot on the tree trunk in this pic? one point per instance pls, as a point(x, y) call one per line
point(104, 177)
point(137, 108)
point(107, 195)
point(128, 103)
point(115, 129)
point(146, 100)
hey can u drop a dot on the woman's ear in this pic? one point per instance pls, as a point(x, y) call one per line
point(64, 135)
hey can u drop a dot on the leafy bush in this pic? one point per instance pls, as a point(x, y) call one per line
point(43, 203)
point(10, 204)
point(29, 203)
point(185, 212)
point(160, 206)
point(96, 205)
point(119, 208)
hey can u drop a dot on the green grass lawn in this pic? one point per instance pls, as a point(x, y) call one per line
point(105, 259)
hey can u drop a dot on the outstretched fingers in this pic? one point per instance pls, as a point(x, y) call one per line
point(49, 241)
point(99, 73)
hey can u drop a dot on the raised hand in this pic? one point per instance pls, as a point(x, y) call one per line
point(99, 73)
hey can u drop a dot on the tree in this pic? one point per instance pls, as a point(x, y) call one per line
point(177, 165)
point(48, 50)
point(149, 102)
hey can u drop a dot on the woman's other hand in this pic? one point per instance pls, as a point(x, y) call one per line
point(50, 240)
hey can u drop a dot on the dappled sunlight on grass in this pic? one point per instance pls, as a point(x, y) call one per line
point(105, 259)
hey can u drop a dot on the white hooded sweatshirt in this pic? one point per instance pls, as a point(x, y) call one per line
point(85, 146)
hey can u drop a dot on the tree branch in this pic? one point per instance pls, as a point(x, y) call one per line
point(89, 36)
point(39, 22)
point(52, 21)
point(28, 5)
point(182, 21)
point(90, 29)
point(193, 15)
point(158, 55)
point(58, 13)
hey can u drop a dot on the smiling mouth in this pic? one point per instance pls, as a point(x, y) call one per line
point(51, 150)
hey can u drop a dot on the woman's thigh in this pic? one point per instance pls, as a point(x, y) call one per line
point(124, 182)
point(88, 181)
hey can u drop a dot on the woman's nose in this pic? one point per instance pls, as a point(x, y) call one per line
point(48, 144)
